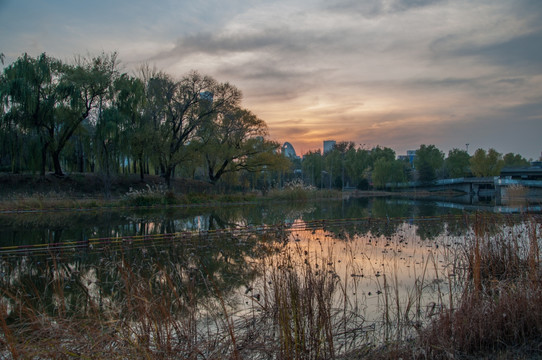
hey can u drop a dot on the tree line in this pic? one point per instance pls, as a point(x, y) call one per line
point(88, 116)
point(349, 166)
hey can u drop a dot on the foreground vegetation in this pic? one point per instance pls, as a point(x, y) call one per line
point(176, 299)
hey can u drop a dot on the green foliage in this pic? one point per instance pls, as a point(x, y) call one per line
point(312, 167)
point(457, 163)
point(381, 152)
point(428, 160)
point(344, 166)
point(180, 110)
point(86, 116)
point(234, 141)
point(52, 99)
point(386, 171)
point(30, 93)
point(515, 160)
point(486, 164)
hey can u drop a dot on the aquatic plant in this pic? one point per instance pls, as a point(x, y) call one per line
point(277, 292)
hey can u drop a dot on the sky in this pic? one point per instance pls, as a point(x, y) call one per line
point(394, 73)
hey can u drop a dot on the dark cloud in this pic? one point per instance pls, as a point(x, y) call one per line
point(211, 43)
point(522, 52)
point(507, 129)
point(369, 8)
point(512, 81)
point(263, 70)
point(281, 42)
point(376, 8)
point(404, 5)
point(479, 87)
point(529, 111)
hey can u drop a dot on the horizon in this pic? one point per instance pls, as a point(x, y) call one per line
point(469, 150)
point(393, 73)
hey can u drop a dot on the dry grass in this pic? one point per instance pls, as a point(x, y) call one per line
point(501, 307)
point(165, 303)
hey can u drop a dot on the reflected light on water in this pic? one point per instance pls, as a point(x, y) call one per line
point(399, 272)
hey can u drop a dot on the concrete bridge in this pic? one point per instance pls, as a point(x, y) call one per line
point(485, 187)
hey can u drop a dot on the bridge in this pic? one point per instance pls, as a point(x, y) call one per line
point(483, 187)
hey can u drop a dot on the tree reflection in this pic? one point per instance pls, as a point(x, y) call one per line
point(114, 277)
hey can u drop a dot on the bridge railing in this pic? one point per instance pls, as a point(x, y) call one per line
point(497, 181)
point(511, 182)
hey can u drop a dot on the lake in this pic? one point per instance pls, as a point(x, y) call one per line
point(241, 278)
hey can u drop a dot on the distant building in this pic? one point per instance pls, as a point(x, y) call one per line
point(289, 151)
point(533, 172)
point(410, 156)
point(329, 145)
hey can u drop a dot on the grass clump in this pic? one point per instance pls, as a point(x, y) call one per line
point(296, 190)
point(500, 310)
point(302, 308)
point(150, 196)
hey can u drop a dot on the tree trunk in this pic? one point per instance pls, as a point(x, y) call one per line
point(214, 177)
point(167, 176)
point(43, 160)
point(56, 163)
point(141, 167)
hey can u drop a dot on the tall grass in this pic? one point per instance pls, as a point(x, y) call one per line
point(500, 310)
point(307, 302)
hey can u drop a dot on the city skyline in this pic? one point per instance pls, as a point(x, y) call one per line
point(394, 73)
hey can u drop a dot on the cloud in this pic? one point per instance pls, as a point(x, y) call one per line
point(524, 51)
point(377, 8)
point(397, 73)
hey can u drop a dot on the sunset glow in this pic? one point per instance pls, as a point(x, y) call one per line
point(395, 73)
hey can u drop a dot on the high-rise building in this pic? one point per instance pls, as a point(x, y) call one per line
point(329, 145)
point(288, 150)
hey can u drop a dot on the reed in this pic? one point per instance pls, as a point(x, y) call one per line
point(500, 310)
point(307, 302)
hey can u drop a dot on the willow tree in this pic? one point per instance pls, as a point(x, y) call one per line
point(83, 88)
point(129, 101)
point(235, 141)
point(30, 94)
point(50, 98)
point(388, 172)
point(180, 109)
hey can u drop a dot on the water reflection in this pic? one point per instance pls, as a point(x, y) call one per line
point(392, 272)
point(55, 227)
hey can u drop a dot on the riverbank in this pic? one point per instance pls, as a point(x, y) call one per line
point(26, 192)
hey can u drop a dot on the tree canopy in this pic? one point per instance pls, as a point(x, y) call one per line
point(427, 161)
point(457, 163)
point(485, 164)
point(88, 116)
point(515, 160)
